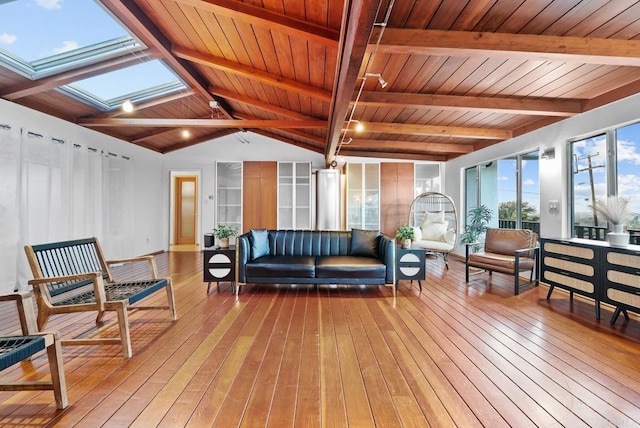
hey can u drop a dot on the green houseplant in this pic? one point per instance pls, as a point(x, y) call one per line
point(478, 219)
point(223, 232)
point(405, 234)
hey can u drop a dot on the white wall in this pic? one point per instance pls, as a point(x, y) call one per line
point(553, 172)
point(243, 146)
point(148, 168)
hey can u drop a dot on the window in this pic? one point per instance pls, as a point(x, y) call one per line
point(627, 163)
point(589, 171)
point(510, 187)
point(603, 165)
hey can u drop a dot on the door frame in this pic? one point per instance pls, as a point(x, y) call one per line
point(173, 174)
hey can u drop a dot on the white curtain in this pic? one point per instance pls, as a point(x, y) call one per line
point(118, 213)
point(86, 187)
point(9, 177)
point(54, 190)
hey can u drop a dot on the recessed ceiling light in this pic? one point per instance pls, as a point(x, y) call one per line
point(127, 106)
point(185, 133)
point(359, 127)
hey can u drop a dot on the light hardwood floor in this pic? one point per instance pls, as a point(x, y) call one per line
point(451, 355)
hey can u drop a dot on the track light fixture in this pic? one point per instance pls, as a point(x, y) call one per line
point(383, 83)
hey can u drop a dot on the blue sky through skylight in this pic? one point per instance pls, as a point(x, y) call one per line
point(130, 80)
point(37, 29)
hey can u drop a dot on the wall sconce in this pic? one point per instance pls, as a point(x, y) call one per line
point(548, 154)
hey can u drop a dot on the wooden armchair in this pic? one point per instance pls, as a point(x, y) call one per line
point(509, 251)
point(14, 349)
point(74, 276)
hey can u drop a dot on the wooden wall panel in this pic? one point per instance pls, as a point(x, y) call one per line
point(396, 195)
point(259, 201)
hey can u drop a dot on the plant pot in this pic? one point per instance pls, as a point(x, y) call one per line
point(223, 242)
point(406, 243)
point(618, 239)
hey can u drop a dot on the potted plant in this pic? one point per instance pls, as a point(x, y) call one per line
point(615, 210)
point(478, 219)
point(223, 232)
point(405, 234)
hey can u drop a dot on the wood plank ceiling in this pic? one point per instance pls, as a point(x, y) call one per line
point(462, 75)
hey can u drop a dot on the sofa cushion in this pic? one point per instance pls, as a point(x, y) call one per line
point(364, 243)
point(259, 239)
point(349, 267)
point(281, 266)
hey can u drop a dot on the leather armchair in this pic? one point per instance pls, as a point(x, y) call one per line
point(508, 251)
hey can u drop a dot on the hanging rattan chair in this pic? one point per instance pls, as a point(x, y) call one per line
point(434, 218)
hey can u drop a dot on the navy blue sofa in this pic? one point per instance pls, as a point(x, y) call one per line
point(362, 257)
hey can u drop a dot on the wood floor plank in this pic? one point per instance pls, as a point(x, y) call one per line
point(454, 354)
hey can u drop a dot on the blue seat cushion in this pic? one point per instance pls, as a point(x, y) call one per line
point(349, 267)
point(281, 267)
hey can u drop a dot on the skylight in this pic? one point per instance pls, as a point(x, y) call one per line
point(40, 38)
point(136, 83)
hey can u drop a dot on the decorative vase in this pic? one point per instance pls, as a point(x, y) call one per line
point(406, 243)
point(618, 238)
point(224, 242)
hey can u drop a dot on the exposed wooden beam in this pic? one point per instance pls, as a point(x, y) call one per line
point(409, 145)
point(392, 155)
point(250, 73)
point(274, 21)
point(619, 93)
point(536, 106)
point(66, 77)
point(436, 130)
point(587, 50)
point(201, 123)
point(357, 24)
point(228, 95)
point(130, 14)
point(147, 104)
point(192, 142)
point(300, 134)
point(311, 147)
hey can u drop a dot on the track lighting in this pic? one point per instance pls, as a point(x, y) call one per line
point(383, 83)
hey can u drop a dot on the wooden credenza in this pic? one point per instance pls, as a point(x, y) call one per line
point(593, 269)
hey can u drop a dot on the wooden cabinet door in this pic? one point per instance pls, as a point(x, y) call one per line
point(396, 195)
point(259, 199)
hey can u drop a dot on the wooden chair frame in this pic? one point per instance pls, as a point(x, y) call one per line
point(18, 348)
point(78, 268)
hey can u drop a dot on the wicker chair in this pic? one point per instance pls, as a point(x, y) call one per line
point(14, 349)
point(434, 218)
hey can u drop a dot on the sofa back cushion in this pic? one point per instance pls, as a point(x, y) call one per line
point(364, 243)
point(309, 243)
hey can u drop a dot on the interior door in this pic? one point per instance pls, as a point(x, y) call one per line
point(186, 210)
